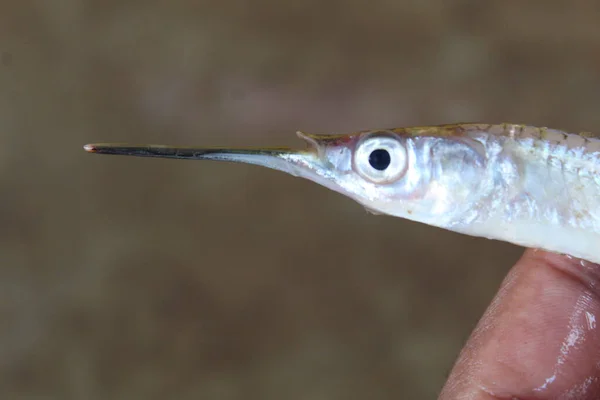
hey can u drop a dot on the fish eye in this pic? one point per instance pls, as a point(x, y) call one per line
point(380, 159)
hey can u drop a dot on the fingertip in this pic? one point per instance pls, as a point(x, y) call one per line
point(535, 340)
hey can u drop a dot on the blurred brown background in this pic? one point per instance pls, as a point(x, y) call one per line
point(128, 278)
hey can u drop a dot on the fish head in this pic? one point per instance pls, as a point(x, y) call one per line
point(425, 175)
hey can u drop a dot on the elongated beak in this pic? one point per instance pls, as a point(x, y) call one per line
point(305, 163)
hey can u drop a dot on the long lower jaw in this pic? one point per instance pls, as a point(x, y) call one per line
point(300, 163)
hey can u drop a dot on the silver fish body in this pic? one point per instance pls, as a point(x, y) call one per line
point(534, 187)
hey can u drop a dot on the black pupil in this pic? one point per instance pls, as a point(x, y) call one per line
point(379, 159)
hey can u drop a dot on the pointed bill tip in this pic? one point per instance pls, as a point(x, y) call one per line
point(90, 148)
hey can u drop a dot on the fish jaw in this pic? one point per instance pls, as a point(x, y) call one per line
point(435, 188)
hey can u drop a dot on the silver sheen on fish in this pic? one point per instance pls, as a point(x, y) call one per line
point(533, 187)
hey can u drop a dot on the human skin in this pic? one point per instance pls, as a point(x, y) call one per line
point(539, 338)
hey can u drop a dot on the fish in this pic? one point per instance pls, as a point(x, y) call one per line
point(534, 187)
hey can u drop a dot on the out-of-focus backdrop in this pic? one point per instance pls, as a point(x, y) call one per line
point(128, 278)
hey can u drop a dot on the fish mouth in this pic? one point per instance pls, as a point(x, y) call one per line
point(311, 163)
point(308, 163)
